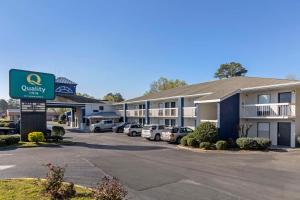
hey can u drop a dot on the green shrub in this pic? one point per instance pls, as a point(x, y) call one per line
point(9, 139)
point(58, 131)
point(231, 143)
point(205, 145)
point(263, 143)
point(206, 132)
point(192, 142)
point(183, 140)
point(253, 143)
point(36, 137)
point(2, 143)
point(221, 145)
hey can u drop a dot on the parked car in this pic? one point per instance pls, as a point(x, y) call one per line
point(119, 128)
point(133, 129)
point(153, 131)
point(174, 134)
point(104, 125)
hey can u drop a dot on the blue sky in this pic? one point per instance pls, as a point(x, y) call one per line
point(122, 46)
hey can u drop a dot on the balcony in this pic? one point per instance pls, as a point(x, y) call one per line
point(120, 112)
point(135, 113)
point(163, 112)
point(189, 112)
point(273, 111)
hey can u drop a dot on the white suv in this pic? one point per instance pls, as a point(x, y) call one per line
point(153, 131)
point(104, 125)
point(133, 129)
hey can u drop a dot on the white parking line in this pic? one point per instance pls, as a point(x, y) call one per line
point(3, 167)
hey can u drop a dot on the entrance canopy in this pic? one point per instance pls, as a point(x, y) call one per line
point(70, 101)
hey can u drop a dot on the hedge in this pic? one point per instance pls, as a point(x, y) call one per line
point(221, 145)
point(183, 141)
point(205, 145)
point(6, 140)
point(36, 137)
point(58, 131)
point(206, 132)
point(192, 142)
point(247, 143)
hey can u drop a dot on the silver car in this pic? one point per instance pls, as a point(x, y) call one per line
point(174, 134)
point(133, 129)
point(104, 125)
point(153, 131)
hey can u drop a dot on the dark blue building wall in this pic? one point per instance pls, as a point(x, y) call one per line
point(65, 89)
point(229, 117)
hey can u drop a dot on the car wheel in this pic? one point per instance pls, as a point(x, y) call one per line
point(178, 140)
point(157, 137)
point(97, 130)
point(134, 133)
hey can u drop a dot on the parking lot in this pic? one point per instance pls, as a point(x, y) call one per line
point(158, 170)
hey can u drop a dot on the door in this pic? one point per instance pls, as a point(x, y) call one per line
point(284, 133)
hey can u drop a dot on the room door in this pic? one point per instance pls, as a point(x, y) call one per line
point(284, 133)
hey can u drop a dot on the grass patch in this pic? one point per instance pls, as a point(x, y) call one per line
point(20, 189)
point(40, 144)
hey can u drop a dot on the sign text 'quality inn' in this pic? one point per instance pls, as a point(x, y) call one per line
point(31, 85)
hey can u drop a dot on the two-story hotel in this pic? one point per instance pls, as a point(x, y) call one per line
point(267, 106)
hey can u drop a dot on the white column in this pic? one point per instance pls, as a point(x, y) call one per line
point(198, 111)
point(218, 115)
point(293, 134)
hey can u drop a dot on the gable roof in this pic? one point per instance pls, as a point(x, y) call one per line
point(75, 99)
point(64, 80)
point(217, 89)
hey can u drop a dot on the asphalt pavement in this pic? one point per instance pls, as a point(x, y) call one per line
point(158, 170)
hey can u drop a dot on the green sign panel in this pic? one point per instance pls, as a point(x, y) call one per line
point(31, 85)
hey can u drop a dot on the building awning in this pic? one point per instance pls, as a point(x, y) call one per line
point(103, 115)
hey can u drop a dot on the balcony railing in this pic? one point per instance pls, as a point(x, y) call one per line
point(135, 113)
point(273, 110)
point(189, 112)
point(163, 112)
point(120, 112)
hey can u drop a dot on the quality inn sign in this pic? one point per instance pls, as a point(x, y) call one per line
point(31, 85)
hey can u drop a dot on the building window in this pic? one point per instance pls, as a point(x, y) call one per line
point(264, 99)
point(167, 122)
point(101, 108)
point(263, 130)
point(173, 122)
point(95, 110)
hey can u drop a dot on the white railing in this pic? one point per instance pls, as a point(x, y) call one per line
point(163, 112)
point(120, 112)
point(189, 112)
point(135, 113)
point(273, 110)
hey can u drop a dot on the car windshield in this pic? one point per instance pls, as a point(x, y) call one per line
point(127, 125)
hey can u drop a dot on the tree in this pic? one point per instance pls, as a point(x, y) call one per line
point(3, 105)
point(232, 69)
point(113, 97)
point(164, 84)
point(292, 77)
point(13, 103)
point(85, 95)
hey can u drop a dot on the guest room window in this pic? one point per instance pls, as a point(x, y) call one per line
point(263, 130)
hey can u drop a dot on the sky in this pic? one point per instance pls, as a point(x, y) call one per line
point(124, 45)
